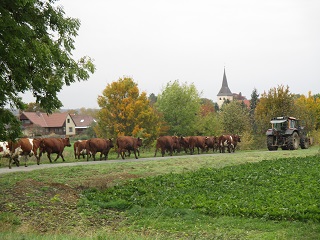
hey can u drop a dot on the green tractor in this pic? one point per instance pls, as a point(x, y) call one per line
point(287, 133)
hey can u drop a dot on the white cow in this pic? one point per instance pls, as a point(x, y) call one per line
point(4, 149)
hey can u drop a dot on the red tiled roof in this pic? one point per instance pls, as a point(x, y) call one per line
point(246, 102)
point(82, 121)
point(45, 120)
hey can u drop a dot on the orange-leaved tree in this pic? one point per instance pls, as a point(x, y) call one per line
point(126, 112)
point(308, 109)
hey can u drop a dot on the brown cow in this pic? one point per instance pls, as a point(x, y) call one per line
point(53, 145)
point(236, 139)
point(127, 143)
point(197, 142)
point(101, 145)
point(225, 141)
point(166, 143)
point(23, 147)
point(184, 143)
point(79, 148)
point(212, 143)
point(229, 142)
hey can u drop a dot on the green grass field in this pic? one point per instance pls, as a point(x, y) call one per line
point(245, 195)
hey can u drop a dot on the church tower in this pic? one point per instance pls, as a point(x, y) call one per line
point(224, 93)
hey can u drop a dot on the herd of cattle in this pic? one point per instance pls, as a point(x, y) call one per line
point(24, 147)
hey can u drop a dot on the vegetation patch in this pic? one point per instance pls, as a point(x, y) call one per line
point(284, 189)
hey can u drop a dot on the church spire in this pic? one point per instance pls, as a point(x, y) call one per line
point(224, 91)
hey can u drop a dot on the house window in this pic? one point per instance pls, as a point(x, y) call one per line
point(70, 129)
point(68, 120)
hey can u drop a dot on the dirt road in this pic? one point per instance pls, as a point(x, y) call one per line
point(52, 165)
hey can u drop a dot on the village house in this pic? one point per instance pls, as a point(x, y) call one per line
point(38, 124)
point(82, 122)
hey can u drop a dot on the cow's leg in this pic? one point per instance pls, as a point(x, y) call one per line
point(88, 156)
point(155, 153)
point(224, 146)
point(38, 158)
point(163, 151)
point(122, 153)
point(171, 151)
point(15, 160)
point(61, 157)
point(221, 148)
point(10, 161)
point(58, 154)
point(191, 150)
point(198, 150)
point(48, 155)
point(25, 160)
point(135, 153)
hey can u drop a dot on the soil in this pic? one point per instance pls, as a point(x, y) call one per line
point(43, 207)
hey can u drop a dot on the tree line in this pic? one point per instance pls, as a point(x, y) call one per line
point(180, 110)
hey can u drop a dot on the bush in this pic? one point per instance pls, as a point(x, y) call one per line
point(247, 142)
point(315, 137)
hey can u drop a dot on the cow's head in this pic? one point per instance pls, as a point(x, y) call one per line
point(110, 140)
point(139, 142)
point(237, 138)
point(184, 141)
point(207, 140)
point(66, 142)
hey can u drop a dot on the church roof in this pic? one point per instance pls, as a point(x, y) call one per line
point(224, 91)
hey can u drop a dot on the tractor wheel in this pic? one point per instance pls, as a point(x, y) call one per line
point(304, 142)
point(270, 143)
point(293, 141)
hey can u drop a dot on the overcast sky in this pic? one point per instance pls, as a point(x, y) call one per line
point(261, 44)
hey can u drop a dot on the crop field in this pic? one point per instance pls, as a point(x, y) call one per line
point(244, 195)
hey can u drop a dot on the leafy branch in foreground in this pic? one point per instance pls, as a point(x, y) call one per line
point(36, 43)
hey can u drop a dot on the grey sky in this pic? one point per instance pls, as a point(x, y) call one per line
point(262, 44)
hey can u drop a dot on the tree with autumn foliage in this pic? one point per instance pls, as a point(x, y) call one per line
point(308, 109)
point(126, 111)
point(277, 102)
